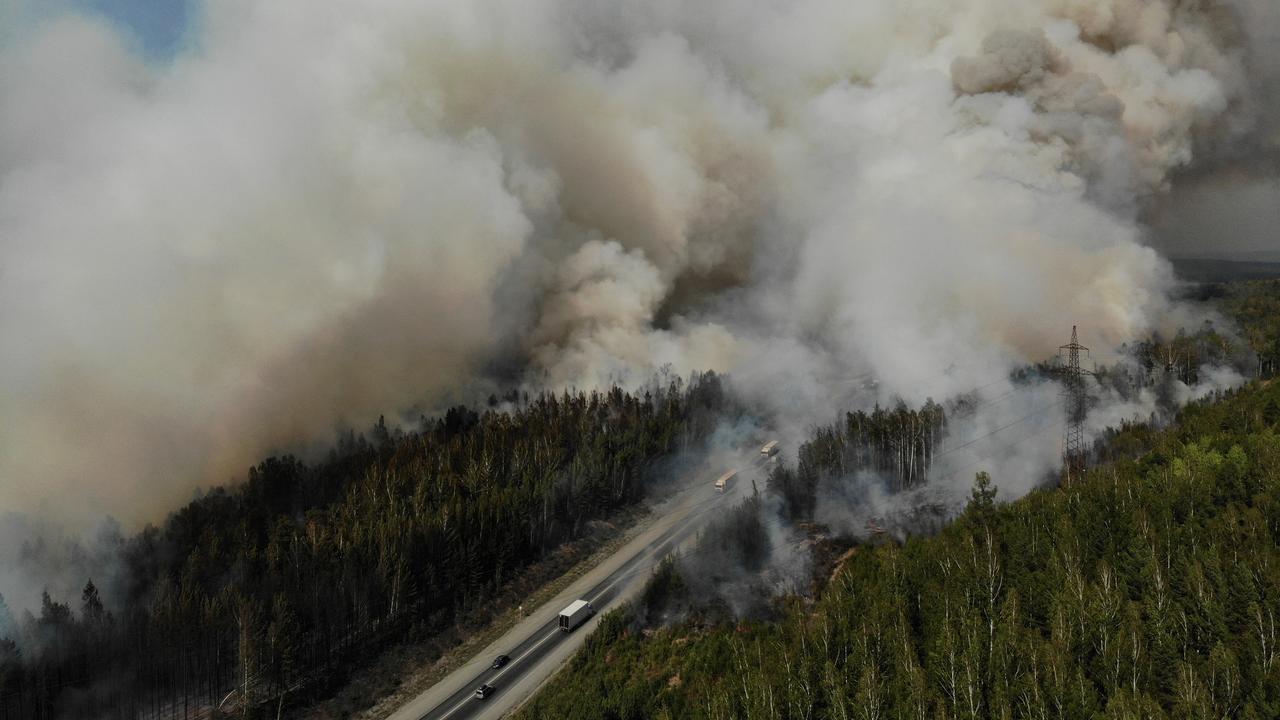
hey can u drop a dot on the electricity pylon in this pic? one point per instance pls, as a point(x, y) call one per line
point(1076, 402)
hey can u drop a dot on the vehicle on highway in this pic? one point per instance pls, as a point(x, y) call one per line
point(577, 613)
point(484, 691)
point(500, 661)
point(726, 480)
point(770, 449)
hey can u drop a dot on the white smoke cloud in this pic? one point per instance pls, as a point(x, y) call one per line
point(1111, 409)
point(320, 213)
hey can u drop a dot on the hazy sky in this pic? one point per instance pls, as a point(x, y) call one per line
point(159, 25)
point(1224, 214)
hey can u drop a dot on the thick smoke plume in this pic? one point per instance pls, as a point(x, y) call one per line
point(322, 212)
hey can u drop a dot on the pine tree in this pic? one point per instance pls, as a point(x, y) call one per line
point(91, 610)
point(982, 498)
point(8, 627)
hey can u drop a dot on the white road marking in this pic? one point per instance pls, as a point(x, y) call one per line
point(456, 707)
point(525, 654)
point(651, 551)
point(502, 672)
point(610, 586)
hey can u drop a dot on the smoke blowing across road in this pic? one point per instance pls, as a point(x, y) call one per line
point(322, 212)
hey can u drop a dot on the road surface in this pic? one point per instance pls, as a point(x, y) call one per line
point(536, 645)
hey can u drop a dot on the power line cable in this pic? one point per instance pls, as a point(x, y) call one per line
point(1022, 419)
point(1054, 427)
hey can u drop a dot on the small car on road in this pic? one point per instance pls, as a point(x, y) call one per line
point(500, 661)
point(484, 691)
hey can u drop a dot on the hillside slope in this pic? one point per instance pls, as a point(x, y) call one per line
point(1149, 589)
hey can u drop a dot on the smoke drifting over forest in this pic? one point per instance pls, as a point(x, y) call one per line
point(324, 212)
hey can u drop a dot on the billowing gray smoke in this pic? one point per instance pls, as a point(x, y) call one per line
point(322, 212)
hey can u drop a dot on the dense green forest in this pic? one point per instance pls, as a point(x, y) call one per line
point(1255, 307)
point(268, 591)
point(274, 586)
point(1149, 589)
point(899, 444)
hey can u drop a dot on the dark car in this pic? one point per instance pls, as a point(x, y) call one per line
point(500, 661)
point(484, 691)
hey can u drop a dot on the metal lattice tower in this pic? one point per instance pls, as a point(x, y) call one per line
point(1075, 400)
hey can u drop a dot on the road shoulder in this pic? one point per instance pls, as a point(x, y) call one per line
point(406, 670)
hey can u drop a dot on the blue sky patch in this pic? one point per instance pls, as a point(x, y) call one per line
point(161, 26)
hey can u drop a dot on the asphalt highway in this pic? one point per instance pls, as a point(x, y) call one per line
point(537, 647)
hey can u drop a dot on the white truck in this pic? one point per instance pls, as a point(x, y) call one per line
point(577, 613)
point(770, 449)
point(724, 481)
